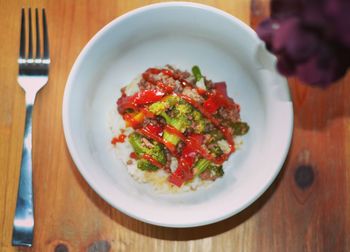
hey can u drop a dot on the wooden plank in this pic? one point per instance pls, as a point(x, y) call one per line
point(306, 209)
point(69, 215)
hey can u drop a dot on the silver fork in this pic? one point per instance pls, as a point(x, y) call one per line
point(33, 75)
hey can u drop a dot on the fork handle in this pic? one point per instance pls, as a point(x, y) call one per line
point(24, 214)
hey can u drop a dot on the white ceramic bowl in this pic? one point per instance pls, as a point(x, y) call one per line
point(182, 34)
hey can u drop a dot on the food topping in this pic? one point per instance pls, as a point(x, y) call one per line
point(182, 117)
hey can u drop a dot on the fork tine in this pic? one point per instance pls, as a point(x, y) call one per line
point(37, 34)
point(30, 38)
point(46, 39)
point(22, 47)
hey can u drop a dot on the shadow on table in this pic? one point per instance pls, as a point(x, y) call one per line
point(178, 234)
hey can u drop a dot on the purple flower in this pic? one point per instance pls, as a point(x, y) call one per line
point(310, 38)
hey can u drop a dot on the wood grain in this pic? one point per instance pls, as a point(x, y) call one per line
point(295, 214)
point(311, 207)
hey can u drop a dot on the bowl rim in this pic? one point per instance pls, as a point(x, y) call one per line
point(69, 138)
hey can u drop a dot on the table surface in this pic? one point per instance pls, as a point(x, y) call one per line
point(306, 209)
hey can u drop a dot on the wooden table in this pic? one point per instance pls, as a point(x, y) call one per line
point(306, 209)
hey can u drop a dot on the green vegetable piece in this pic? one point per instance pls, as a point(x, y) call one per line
point(145, 165)
point(183, 109)
point(216, 135)
point(200, 126)
point(216, 170)
point(180, 123)
point(171, 100)
point(201, 166)
point(216, 150)
point(128, 110)
point(157, 151)
point(240, 128)
point(197, 116)
point(167, 118)
point(157, 107)
point(171, 138)
point(199, 121)
point(197, 73)
point(136, 143)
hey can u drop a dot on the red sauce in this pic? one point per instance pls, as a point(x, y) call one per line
point(225, 131)
point(152, 161)
point(190, 141)
point(166, 88)
point(153, 70)
point(195, 104)
point(151, 134)
point(202, 91)
point(228, 136)
point(131, 121)
point(171, 147)
point(134, 102)
point(118, 139)
point(222, 158)
point(193, 144)
point(174, 131)
point(146, 76)
point(167, 72)
point(183, 171)
point(147, 113)
point(159, 139)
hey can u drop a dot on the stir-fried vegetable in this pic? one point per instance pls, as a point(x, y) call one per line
point(216, 170)
point(197, 73)
point(171, 138)
point(216, 150)
point(185, 117)
point(199, 121)
point(204, 165)
point(146, 165)
point(154, 150)
point(179, 122)
point(215, 135)
point(201, 166)
point(161, 106)
point(239, 128)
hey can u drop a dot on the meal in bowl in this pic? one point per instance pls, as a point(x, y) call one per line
point(181, 126)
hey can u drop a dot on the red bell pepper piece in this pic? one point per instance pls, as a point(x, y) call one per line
point(186, 161)
point(141, 98)
point(211, 105)
point(153, 70)
point(221, 88)
point(176, 180)
point(134, 119)
point(125, 102)
point(148, 96)
point(154, 129)
point(218, 98)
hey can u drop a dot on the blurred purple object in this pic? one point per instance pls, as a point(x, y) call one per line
point(310, 38)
